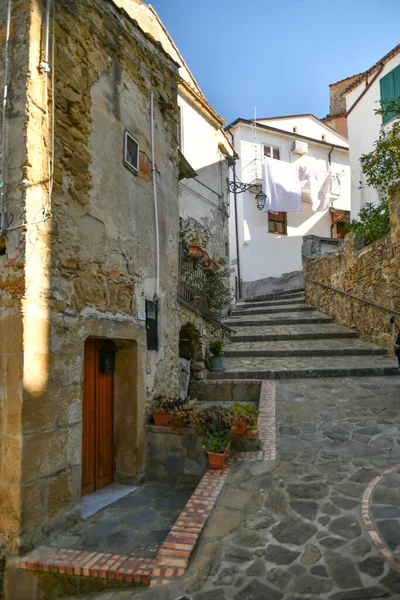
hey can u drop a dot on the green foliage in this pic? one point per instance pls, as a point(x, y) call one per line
point(216, 347)
point(212, 420)
point(245, 411)
point(216, 443)
point(373, 223)
point(382, 165)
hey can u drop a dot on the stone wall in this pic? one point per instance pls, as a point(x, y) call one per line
point(85, 262)
point(371, 273)
point(80, 260)
point(175, 456)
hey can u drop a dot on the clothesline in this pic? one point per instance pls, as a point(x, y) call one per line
point(283, 183)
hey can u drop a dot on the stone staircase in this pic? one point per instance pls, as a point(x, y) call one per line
point(281, 337)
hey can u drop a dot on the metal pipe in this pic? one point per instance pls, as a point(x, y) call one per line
point(329, 156)
point(236, 220)
point(4, 123)
point(153, 170)
point(45, 63)
point(379, 306)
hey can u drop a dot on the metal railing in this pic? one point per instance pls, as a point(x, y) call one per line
point(374, 304)
point(192, 281)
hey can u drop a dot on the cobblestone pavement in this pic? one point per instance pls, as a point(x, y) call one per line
point(293, 529)
point(135, 525)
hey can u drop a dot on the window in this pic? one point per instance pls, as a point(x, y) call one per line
point(277, 223)
point(272, 152)
point(131, 153)
point(390, 89)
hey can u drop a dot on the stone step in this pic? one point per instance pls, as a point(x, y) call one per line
point(307, 331)
point(296, 368)
point(276, 295)
point(295, 300)
point(293, 318)
point(273, 309)
point(322, 347)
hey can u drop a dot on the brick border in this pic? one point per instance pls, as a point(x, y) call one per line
point(368, 521)
point(266, 425)
point(173, 556)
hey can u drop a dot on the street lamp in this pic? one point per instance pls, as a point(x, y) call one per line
point(260, 199)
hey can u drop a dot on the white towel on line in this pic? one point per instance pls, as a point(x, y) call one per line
point(320, 190)
point(282, 186)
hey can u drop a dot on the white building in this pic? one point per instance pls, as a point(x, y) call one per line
point(380, 82)
point(204, 147)
point(266, 246)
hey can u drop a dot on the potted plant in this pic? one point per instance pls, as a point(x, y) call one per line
point(244, 417)
point(216, 348)
point(211, 420)
point(196, 251)
point(162, 408)
point(217, 448)
point(181, 414)
point(210, 265)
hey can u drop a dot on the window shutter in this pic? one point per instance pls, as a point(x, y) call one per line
point(390, 89)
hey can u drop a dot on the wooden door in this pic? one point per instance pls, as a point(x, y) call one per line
point(98, 422)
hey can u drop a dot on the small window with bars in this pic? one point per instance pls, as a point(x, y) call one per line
point(131, 152)
point(272, 152)
point(277, 223)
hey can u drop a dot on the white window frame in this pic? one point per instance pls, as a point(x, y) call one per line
point(272, 148)
point(180, 128)
point(134, 168)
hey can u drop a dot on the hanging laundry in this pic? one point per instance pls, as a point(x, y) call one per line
point(320, 190)
point(282, 186)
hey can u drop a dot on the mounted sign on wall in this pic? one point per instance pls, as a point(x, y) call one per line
point(152, 324)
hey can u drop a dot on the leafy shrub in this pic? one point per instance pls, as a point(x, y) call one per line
point(216, 347)
point(373, 223)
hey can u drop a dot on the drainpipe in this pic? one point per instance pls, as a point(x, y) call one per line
point(4, 123)
point(329, 156)
point(153, 170)
point(236, 221)
point(45, 63)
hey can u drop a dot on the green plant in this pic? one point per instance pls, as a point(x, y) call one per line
point(168, 403)
point(211, 420)
point(382, 165)
point(216, 347)
point(217, 291)
point(244, 410)
point(216, 443)
point(373, 223)
point(181, 415)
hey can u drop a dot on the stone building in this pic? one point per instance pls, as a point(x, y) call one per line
point(89, 241)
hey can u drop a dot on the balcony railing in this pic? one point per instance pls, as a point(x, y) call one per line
point(192, 283)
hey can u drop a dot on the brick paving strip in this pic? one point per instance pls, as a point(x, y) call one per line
point(173, 556)
point(369, 524)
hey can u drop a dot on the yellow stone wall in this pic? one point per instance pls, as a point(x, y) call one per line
point(86, 269)
point(372, 273)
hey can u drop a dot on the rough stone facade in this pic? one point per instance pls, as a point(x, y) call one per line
point(80, 261)
point(371, 273)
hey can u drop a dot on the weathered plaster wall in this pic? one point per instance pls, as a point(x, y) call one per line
point(86, 270)
point(371, 273)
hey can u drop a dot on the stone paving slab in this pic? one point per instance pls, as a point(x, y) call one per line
point(284, 308)
point(304, 347)
point(302, 331)
point(295, 318)
point(293, 529)
point(295, 299)
point(298, 367)
point(135, 525)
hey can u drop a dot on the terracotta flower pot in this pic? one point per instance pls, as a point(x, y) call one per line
point(196, 251)
point(239, 425)
point(216, 460)
point(162, 418)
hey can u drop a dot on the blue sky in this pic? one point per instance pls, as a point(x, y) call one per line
point(279, 56)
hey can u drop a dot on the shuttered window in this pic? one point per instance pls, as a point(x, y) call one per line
point(390, 89)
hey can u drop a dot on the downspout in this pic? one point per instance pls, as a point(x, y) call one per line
point(329, 156)
point(236, 220)
point(153, 170)
point(4, 124)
